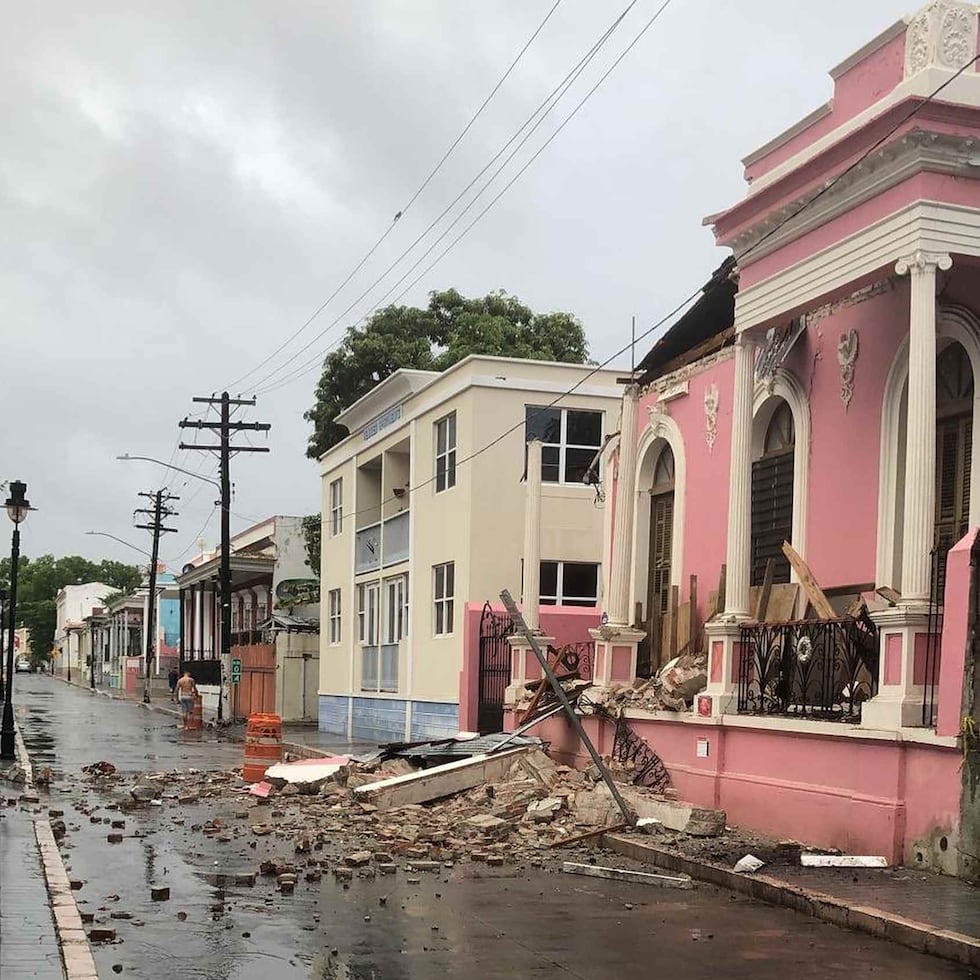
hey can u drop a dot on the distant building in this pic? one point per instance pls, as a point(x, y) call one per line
point(74, 603)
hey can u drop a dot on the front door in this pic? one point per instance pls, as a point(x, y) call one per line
point(651, 653)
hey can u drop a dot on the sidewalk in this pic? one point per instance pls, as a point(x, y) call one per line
point(929, 913)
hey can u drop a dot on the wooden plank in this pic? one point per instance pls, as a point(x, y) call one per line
point(672, 648)
point(621, 874)
point(814, 593)
point(692, 627)
point(683, 628)
point(782, 603)
point(764, 591)
point(578, 838)
point(889, 594)
point(722, 580)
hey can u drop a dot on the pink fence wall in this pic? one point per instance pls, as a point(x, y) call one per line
point(566, 624)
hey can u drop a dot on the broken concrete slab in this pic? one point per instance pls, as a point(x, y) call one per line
point(621, 874)
point(307, 775)
point(439, 781)
point(682, 817)
point(842, 861)
point(544, 811)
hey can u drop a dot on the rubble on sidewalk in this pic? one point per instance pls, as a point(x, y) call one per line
point(673, 688)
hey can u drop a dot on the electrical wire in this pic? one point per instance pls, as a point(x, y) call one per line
point(194, 540)
point(543, 109)
point(681, 306)
point(405, 208)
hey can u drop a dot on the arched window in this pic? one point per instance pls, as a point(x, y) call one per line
point(663, 473)
point(772, 496)
point(954, 443)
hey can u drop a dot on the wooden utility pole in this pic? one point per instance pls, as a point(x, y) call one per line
point(160, 512)
point(225, 428)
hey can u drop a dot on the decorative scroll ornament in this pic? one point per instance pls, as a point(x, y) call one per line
point(944, 35)
point(656, 411)
point(923, 262)
point(847, 352)
point(804, 649)
point(711, 415)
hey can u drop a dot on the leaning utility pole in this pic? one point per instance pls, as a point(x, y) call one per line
point(225, 428)
point(157, 515)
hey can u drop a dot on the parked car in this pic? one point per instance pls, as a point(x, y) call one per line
point(22, 665)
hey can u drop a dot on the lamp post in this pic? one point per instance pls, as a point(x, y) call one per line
point(18, 508)
point(3, 632)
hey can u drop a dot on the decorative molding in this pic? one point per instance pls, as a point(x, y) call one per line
point(711, 415)
point(917, 151)
point(928, 226)
point(920, 261)
point(669, 392)
point(655, 411)
point(847, 353)
point(944, 35)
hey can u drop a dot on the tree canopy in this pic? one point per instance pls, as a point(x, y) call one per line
point(450, 328)
point(38, 582)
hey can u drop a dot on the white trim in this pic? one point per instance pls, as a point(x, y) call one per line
point(412, 565)
point(955, 323)
point(785, 385)
point(661, 429)
point(927, 226)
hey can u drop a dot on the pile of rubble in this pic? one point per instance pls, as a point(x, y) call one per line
point(673, 688)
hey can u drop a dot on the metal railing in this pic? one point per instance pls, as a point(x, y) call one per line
point(820, 669)
point(934, 633)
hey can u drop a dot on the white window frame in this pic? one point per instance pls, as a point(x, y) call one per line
point(336, 506)
point(368, 613)
point(448, 454)
point(443, 599)
point(334, 615)
point(395, 609)
point(564, 445)
point(560, 598)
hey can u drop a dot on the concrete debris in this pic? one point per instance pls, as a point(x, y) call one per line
point(621, 874)
point(842, 861)
point(649, 825)
point(102, 768)
point(673, 689)
point(748, 865)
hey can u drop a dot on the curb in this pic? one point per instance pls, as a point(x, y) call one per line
point(75, 950)
point(919, 936)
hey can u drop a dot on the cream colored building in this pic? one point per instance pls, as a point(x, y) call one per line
point(423, 512)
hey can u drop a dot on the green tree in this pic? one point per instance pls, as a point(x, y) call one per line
point(40, 579)
point(450, 328)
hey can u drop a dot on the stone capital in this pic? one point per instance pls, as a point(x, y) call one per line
point(920, 262)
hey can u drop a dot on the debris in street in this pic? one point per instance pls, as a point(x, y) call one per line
point(621, 874)
point(160, 894)
point(102, 768)
point(748, 864)
point(308, 775)
point(842, 861)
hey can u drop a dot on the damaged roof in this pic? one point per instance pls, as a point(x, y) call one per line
point(706, 327)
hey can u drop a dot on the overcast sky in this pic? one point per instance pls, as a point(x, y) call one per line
point(183, 184)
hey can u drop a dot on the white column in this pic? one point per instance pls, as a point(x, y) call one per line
point(920, 439)
point(532, 536)
point(738, 555)
point(618, 605)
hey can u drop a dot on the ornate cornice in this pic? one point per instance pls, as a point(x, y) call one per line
point(943, 35)
point(687, 372)
point(913, 153)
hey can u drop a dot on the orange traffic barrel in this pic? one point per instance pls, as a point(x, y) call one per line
point(263, 745)
point(195, 720)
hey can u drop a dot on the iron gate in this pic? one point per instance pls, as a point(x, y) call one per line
point(495, 627)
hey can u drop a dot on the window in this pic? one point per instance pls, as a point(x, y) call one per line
point(570, 441)
point(443, 591)
point(333, 604)
point(772, 498)
point(396, 609)
point(446, 453)
point(569, 583)
point(367, 614)
point(336, 507)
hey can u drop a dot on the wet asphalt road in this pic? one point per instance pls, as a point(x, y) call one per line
point(468, 922)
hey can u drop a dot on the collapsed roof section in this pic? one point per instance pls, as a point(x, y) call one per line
point(706, 327)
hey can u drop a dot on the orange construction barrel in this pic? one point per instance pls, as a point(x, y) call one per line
point(263, 745)
point(195, 720)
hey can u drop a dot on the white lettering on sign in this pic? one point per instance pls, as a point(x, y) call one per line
point(382, 422)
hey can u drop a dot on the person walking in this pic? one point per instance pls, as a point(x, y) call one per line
point(186, 692)
point(172, 681)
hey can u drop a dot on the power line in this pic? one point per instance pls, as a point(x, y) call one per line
point(404, 209)
point(195, 539)
point(544, 108)
point(677, 309)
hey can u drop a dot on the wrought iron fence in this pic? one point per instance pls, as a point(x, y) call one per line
point(576, 658)
point(934, 632)
point(821, 669)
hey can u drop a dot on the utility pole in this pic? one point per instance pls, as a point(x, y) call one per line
point(160, 512)
point(225, 428)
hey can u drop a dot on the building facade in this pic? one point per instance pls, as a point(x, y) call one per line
point(423, 513)
point(73, 604)
point(822, 393)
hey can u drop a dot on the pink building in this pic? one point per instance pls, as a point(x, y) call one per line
point(822, 391)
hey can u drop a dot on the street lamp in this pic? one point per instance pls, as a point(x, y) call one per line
point(18, 507)
point(3, 632)
point(149, 459)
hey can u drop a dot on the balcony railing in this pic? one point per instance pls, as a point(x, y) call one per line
point(394, 539)
point(820, 669)
point(367, 548)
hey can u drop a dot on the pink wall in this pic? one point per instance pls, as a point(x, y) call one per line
point(567, 624)
point(707, 475)
point(860, 795)
point(956, 635)
point(854, 91)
